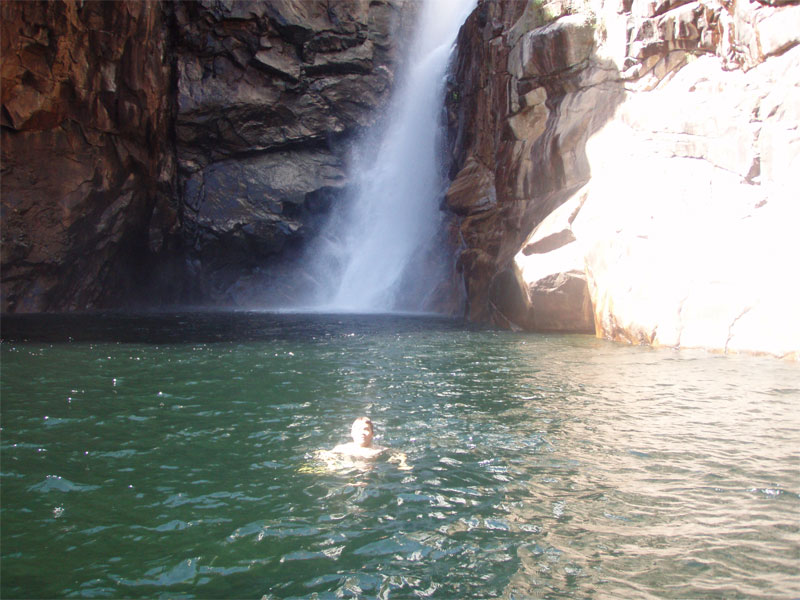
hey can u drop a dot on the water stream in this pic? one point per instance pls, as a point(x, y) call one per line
point(382, 240)
point(171, 456)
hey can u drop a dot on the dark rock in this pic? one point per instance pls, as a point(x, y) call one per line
point(255, 100)
point(270, 94)
point(86, 152)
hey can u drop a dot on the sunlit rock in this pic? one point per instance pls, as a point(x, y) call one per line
point(656, 159)
point(550, 270)
point(700, 259)
point(542, 94)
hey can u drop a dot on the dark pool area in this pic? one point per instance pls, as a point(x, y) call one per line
point(192, 325)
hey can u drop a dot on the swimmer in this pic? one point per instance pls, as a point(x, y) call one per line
point(363, 433)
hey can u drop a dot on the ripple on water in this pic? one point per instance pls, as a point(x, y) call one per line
point(543, 466)
point(56, 483)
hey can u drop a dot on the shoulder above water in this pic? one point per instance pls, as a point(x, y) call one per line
point(343, 453)
point(351, 449)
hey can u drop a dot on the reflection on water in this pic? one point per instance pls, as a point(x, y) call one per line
point(677, 466)
point(543, 466)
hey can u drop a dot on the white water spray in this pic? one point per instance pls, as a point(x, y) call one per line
point(393, 218)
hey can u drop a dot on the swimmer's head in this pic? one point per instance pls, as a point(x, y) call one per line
point(362, 432)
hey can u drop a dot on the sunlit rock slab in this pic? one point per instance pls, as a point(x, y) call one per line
point(688, 226)
point(656, 159)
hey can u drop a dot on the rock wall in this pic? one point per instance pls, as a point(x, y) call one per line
point(270, 95)
point(171, 152)
point(631, 169)
point(88, 170)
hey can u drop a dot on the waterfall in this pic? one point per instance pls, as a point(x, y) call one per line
point(377, 246)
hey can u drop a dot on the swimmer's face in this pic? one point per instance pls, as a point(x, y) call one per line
point(362, 432)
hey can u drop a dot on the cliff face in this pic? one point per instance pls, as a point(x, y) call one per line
point(270, 95)
point(159, 152)
point(631, 169)
point(87, 162)
point(625, 168)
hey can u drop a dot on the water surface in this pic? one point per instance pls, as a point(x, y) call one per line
point(170, 456)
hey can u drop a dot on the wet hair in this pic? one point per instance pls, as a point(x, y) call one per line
point(366, 420)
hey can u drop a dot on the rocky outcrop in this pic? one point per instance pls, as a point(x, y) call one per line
point(269, 96)
point(88, 169)
point(639, 159)
point(531, 91)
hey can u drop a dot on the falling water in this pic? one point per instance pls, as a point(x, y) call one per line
point(392, 218)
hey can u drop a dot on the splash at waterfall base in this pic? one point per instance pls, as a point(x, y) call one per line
point(633, 174)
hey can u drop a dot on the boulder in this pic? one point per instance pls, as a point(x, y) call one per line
point(472, 191)
point(549, 269)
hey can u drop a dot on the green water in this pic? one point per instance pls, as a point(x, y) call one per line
point(171, 456)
